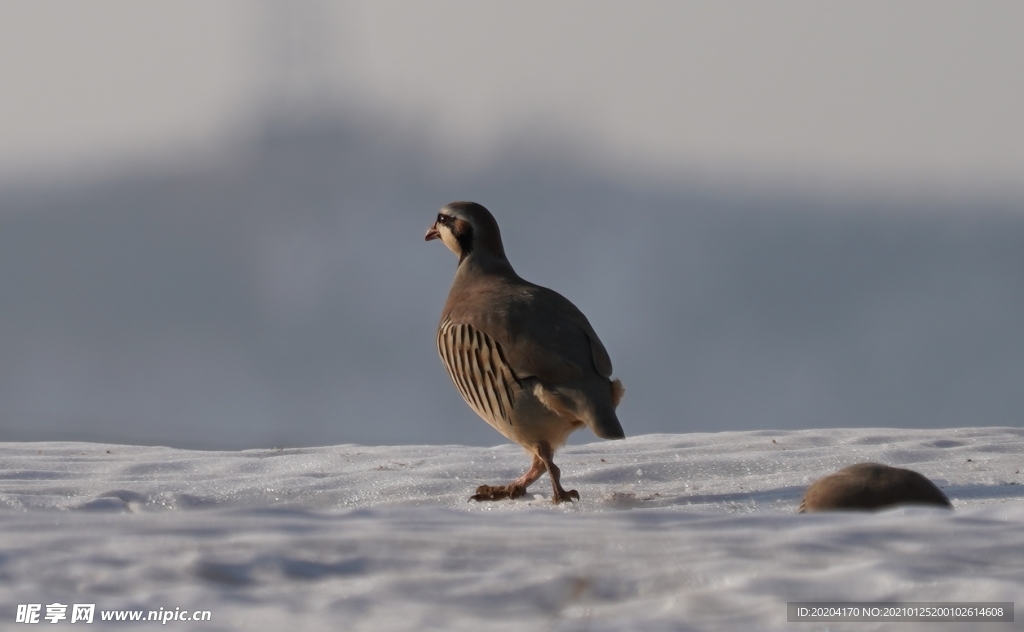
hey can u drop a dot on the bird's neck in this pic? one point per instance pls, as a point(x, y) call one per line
point(483, 262)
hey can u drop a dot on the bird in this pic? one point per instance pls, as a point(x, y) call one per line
point(524, 358)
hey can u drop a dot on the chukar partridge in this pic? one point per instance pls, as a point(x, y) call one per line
point(522, 356)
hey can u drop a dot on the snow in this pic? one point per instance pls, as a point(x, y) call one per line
point(672, 532)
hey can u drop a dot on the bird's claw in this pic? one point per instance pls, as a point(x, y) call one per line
point(565, 496)
point(497, 492)
point(485, 492)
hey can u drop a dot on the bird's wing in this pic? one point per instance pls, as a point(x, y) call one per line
point(540, 332)
point(599, 355)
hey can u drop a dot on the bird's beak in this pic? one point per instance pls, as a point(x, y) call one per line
point(432, 234)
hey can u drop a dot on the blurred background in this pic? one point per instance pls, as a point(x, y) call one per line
point(776, 216)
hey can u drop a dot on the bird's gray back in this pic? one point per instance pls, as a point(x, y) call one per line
point(541, 333)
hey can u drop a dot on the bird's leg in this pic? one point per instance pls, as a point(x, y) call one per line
point(516, 488)
point(559, 494)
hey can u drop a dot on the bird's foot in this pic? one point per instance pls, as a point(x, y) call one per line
point(563, 496)
point(498, 492)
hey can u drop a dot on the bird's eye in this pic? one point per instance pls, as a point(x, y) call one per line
point(443, 219)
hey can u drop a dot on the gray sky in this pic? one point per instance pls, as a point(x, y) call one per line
point(917, 96)
point(776, 216)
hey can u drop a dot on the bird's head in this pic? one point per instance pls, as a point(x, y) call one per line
point(468, 229)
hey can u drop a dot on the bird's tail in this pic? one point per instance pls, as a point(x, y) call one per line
point(602, 418)
point(596, 410)
point(607, 426)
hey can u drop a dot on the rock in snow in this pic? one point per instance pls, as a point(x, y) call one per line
point(673, 532)
point(871, 486)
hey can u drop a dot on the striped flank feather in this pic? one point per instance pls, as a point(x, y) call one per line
point(478, 368)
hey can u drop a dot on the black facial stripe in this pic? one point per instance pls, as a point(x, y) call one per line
point(464, 235)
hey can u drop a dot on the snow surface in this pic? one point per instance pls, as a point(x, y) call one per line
point(673, 532)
